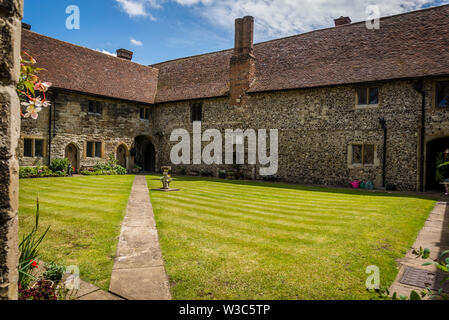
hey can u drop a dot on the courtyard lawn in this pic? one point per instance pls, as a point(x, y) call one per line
point(250, 240)
point(85, 215)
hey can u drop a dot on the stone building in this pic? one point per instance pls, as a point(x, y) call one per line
point(349, 102)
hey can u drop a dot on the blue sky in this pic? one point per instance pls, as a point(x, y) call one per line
point(160, 30)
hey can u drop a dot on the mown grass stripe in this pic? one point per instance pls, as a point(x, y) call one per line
point(250, 240)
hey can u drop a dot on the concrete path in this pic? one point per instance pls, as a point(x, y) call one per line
point(435, 236)
point(138, 272)
point(88, 291)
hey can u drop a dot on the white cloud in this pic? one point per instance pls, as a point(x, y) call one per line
point(106, 52)
point(278, 18)
point(136, 42)
point(139, 8)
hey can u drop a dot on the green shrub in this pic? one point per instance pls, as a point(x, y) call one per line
point(222, 174)
point(54, 272)
point(59, 165)
point(120, 170)
point(39, 172)
point(110, 167)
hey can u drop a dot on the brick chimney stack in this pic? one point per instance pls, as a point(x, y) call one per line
point(243, 62)
point(342, 21)
point(125, 54)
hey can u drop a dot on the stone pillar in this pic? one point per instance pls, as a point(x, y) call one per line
point(10, 34)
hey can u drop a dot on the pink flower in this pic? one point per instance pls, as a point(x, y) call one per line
point(42, 86)
point(38, 102)
point(32, 109)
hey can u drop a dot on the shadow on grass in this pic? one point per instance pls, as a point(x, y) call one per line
point(280, 185)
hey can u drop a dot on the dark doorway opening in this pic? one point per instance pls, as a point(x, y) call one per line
point(145, 153)
point(436, 154)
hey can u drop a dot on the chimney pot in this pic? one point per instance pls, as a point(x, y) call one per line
point(342, 21)
point(26, 26)
point(125, 54)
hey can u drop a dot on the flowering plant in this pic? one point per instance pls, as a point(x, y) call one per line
point(41, 290)
point(30, 88)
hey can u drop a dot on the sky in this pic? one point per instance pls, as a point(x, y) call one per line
point(161, 30)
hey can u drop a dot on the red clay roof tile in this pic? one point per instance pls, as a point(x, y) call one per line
point(80, 69)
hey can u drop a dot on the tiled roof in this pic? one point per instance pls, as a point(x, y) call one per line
point(201, 76)
point(80, 69)
point(409, 45)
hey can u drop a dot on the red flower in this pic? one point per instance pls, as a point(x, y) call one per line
point(33, 263)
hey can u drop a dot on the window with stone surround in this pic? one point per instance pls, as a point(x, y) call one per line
point(367, 96)
point(363, 154)
point(95, 107)
point(93, 149)
point(145, 113)
point(197, 112)
point(33, 148)
point(442, 94)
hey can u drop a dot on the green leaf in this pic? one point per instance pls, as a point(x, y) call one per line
point(426, 253)
point(29, 86)
point(443, 165)
point(414, 295)
point(444, 253)
point(427, 264)
point(441, 267)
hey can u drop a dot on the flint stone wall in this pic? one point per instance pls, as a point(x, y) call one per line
point(10, 31)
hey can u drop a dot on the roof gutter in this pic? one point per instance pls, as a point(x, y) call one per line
point(51, 115)
point(419, 87)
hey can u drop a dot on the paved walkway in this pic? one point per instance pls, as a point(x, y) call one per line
point(138, 272)
point(435, 236)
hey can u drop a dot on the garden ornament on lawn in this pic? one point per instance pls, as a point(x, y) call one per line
point(166, 179)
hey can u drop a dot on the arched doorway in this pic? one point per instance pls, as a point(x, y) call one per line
point(436, 154)
point(145, 153)
point(71, 153)
point(121, 156)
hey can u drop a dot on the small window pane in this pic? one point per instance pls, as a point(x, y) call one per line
point(147, 113)
point(142, 113)
point(39, 148)
point(99, 108)
point(362, 96)
point(98, 149)
point(90, 149)
point(373, 96)
point(197, 112)
point(357, 154)
point(91, 106)
point(27, 148)
point(443, 94)
point(368, 154)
